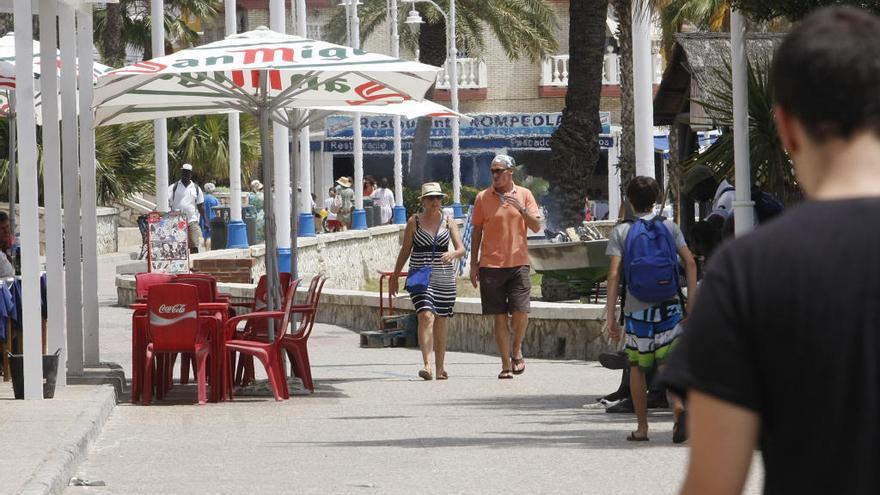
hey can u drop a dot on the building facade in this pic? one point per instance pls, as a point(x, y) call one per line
point(523, 99)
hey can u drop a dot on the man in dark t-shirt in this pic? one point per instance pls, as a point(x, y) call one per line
point(781, 350)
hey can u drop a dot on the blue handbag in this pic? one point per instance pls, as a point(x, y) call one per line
point(417, 280)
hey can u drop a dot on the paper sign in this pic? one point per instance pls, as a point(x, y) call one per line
point(167, 237)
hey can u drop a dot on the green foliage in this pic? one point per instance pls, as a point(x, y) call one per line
point(522, 27)
point(771, 167)
point(136, 23)
point(794, 10)
point(203, 140)
point(125, 162)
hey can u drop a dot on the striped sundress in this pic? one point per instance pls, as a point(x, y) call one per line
point(440, 297)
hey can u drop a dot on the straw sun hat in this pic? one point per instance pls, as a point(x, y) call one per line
point(431, 189)
point(343, 181)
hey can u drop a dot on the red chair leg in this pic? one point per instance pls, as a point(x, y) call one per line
point(272, 372)
point(185, 359)
point(148, 377)
point(201, 359)
point(299, 359)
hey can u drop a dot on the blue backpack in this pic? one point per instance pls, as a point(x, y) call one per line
point(650, 263)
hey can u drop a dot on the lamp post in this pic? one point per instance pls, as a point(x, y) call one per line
point(398, 214)
point(359, 216)
point(452, 62)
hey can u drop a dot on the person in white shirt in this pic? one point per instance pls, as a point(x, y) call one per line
point(187, 197)
point(701, 184)
point(384, 199)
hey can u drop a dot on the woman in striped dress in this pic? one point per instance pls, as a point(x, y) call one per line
point(426, 243)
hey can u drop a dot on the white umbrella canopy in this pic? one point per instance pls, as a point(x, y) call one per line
point(224, 76)
point(266, 74)
point(410, 109)
point(7, 75)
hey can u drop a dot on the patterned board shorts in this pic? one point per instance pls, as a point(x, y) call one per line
point(651, 334)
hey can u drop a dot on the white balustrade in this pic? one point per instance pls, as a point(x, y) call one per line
point(472, 74)
point(555, 71)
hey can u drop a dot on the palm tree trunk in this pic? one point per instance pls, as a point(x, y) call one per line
point(432, 51)
point(575, 144)
point(112, 47)
point(627, 162)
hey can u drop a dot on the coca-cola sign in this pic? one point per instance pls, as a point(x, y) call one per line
point(172, 309)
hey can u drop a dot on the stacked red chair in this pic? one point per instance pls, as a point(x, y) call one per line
point(269, 353)
point(256, 329)
point(175, 324)
point(296, 343)
point(143, 282)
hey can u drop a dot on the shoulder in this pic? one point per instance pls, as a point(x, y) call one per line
point(525, 192)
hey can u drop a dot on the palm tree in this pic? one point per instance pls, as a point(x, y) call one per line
point(204, 141)
point(771, 167)
point(124, 161)
point(575, 144)
point(525, 28)
point(127, 24)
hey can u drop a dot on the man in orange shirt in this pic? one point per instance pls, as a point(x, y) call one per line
point(500, 259)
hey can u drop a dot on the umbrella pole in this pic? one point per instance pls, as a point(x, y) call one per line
point(294, 209)
point(273, 299)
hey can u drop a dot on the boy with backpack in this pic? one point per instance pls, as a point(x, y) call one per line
point(648, 248)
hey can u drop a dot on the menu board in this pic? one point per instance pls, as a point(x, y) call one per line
point(167, 236)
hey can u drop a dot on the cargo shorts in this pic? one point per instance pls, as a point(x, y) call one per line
point(505, 290)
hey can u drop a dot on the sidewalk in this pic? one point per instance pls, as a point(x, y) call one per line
point(374, 427)
point(371, 426)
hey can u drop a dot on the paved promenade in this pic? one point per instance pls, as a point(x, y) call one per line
point(371, 427)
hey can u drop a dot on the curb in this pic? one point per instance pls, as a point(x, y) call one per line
point(52, 476)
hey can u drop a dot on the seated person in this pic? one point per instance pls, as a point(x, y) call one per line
point(7, 240)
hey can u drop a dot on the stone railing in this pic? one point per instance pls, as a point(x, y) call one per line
point(556, 330)
point(107, 227)
point(472, 74)
point(348, 258)
point(555, 70)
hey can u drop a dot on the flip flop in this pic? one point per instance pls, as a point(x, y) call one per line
point(517, 362)
point(426, 375)
point(505, 375)
point(633, 438)
point(442, 376)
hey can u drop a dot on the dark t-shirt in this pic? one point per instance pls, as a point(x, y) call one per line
point(787, 324)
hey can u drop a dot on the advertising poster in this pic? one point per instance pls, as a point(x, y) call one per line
point(168, 247)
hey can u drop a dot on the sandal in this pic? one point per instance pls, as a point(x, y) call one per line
point(635, 438)
point(519, 365)
point(442, 376)
point(426, 375)
point(505, 375)
point(679, 429)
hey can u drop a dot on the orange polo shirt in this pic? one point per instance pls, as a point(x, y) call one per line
point(505, 243)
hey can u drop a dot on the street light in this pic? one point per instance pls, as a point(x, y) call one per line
point(452, 53)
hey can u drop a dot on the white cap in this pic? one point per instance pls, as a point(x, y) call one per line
point(186, 166)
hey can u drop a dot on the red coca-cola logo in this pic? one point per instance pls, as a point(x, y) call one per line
point(173, 309)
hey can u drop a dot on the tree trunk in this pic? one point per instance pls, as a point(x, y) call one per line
point(432, 51)
point(575, 144)
point(627, 163)
point(112, 47)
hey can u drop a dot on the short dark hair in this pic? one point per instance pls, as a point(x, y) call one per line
point(4, 217)
point(642, 192)
point(827, 73)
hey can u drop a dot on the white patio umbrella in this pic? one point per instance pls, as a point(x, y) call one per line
point(266, 74)
point(7, 99)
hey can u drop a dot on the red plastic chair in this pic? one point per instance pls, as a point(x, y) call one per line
point(143, 282)
point(218, 296)
point(207, 287)
point(256, 330)
point(296, 343)
point(175, 325)
point(267, 352)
